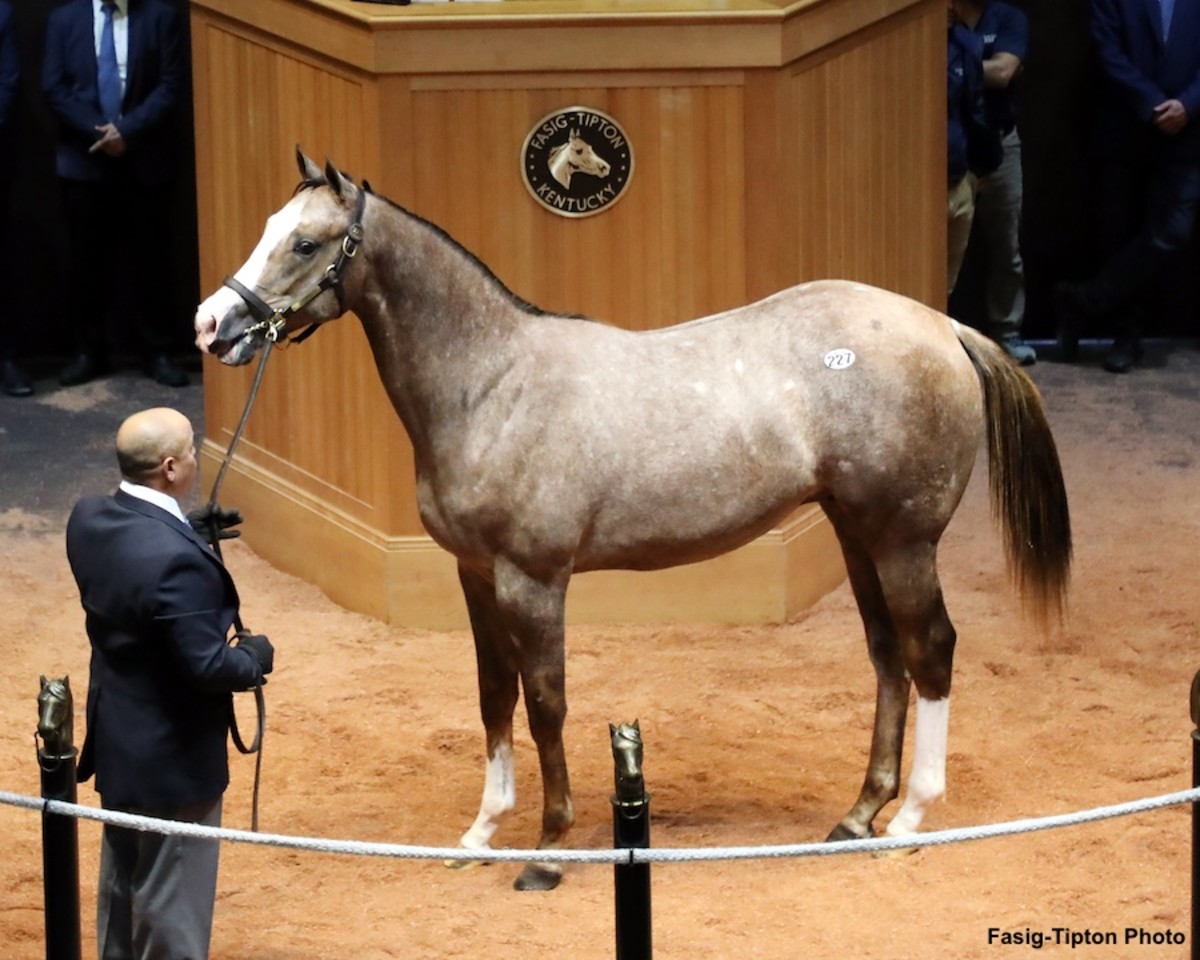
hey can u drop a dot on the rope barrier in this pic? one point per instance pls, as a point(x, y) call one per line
point(648, 855)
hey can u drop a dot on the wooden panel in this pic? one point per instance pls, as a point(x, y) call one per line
point(549, 35)
point(331, 381)
point(870, 170)
point(660, 255)
point(809, 145)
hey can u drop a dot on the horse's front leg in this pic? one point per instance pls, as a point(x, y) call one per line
point(882, 780)
point(496, 661)
point(534, 610)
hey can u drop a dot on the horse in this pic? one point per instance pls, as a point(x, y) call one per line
point(56, 718)
point(575, 156)
point(548, 445)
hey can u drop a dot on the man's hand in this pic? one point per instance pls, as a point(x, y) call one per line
point(1170, 117)
point(110, 141)
point(261, 647)
point(213, 523)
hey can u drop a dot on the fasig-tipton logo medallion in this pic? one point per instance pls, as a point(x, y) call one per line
point(576, 162)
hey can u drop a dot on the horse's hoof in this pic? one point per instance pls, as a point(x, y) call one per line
point(539, 876)
point(843, 832)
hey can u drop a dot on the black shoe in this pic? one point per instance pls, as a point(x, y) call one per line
point(83, 369)
point(160, 369)
point(1070, 314)
point(1123, 355)
point(16, 380)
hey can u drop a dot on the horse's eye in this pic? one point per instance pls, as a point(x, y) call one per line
point(306, 248)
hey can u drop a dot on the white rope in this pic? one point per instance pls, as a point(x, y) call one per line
point(651, 855)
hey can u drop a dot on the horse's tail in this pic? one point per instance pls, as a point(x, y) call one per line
point(1029, 498)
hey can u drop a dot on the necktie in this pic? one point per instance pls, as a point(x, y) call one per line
point(108, 76)
point(1168, 8)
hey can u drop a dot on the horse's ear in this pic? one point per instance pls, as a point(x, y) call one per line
point(308, 169)
point(338, 180)
point(42, 678)
point(636, 727)
point(612, 731)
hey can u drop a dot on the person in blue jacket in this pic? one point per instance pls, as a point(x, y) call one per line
point(1149, 142)
point(159, 606)
point(973, 151)
point(115, 72)
point(995, 243)
point(16, 382)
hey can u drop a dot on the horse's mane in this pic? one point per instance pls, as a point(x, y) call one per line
point(518, 301)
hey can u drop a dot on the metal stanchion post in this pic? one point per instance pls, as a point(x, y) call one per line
point(60, 835)
point(631, 830)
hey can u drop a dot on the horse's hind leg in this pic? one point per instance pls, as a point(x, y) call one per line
point(496, 662)
point(882, 781)
point(927, 638)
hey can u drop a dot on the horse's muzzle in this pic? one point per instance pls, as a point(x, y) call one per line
point(221, 324)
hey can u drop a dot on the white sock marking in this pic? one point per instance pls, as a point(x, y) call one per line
point(927, 781)
point(499, 797)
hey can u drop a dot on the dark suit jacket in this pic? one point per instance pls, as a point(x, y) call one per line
point(159, 605)
point(10, 64)
point(154, 86)
point(1143, 71)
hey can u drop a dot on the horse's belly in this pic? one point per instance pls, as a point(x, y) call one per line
point(697, 523)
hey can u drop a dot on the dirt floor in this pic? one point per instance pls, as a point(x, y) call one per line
point(754, 735)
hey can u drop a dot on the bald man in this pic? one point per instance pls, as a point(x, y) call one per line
point(159, 609)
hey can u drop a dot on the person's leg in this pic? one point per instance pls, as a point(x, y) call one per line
point(14, 381)
point(1083, 308)
point(114, 901)
point(90, 282)
point(174, 888)
point(1172, 193)
point(999, 223)
point(960, 212)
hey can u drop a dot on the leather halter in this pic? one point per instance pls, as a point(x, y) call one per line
point(273, 322)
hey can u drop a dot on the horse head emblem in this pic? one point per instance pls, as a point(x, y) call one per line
point(294, 275)
point(627, 760)
point(575, 156)
point(56, 717)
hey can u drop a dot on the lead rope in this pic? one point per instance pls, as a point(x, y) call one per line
point(256, 747)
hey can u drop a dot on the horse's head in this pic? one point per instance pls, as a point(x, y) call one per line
point(56, 716)
point(575, 155)
point(583, 158)
point(293, 277)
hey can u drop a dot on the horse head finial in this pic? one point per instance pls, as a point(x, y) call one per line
point(627, 759)
point(56, 717)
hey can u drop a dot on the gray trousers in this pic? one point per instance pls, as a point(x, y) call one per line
point(156, 893)
point(996, 232)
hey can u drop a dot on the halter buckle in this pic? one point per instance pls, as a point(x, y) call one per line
point(275, 328)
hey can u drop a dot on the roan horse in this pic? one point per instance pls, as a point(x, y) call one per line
point(548, 445)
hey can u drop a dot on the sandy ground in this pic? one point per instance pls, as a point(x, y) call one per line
point(753, 736)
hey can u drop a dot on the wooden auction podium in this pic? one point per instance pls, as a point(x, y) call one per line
point(771, 143)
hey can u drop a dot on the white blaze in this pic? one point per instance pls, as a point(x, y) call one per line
point(209, 314)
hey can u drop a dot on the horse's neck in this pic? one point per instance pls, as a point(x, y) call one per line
point(437, 324)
